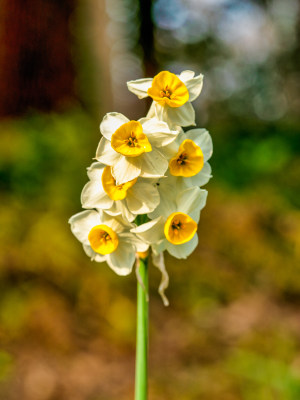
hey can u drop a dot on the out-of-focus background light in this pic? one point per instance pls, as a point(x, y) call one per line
point(67, 325)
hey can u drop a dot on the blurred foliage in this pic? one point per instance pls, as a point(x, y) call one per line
point(67, 325)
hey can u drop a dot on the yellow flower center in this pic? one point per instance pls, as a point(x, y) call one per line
point(130, 140)
point(168, 89)
point(179, 228)
point(188, 160)
point(115, 192)
point(103, 239)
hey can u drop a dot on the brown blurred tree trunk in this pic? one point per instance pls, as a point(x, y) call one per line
point(147, 37)
point(35, 55)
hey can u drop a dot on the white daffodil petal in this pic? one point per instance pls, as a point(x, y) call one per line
point(191, 201)
point(194, 86)
point(95, 171)
point(152, 231)
point(167, 204)
point(92, 254)
point(140, 87)
point(151, 113)
point(138, 243)
point(183, 116)
point(142, 198)
point(106, 154)
point(111, 122)
point(122, 259)
point(182, 250)
point(158, 132)
point(93, 196)
point(82, 223)
point(126, 169)
point(186, 75)
point(202, 177)
point(116, 223)
point(202, 139)
point(159, 247)
point(153, 164)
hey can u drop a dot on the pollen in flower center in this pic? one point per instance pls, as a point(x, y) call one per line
point(166, 93)
point(103, 239)
point(179, 228)
point(115, 192)
point(130, 140)
point(168, 89)
point(188, 161)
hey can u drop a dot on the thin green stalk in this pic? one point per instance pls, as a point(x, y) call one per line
point(141, 365)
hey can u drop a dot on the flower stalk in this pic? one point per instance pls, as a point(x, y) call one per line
point(141, 365)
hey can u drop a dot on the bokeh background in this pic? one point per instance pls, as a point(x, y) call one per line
point(67, 325)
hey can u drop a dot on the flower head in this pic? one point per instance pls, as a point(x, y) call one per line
point(175, 222)
point(107, 238)
point(138, 196)
point(172, 96)
point(133, 148)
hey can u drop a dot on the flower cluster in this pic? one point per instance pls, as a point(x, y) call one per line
point(144, 188)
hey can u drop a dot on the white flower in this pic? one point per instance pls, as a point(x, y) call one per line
point(175, 225)
point(171, 94)
point(188, 156)
point(138, 196)
point(132, 148)
point(107, 238)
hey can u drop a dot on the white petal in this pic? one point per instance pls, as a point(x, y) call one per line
point(92, 254)
point(111, 122)
point(202, 177)
point(137, 242)
point(167, 204)
point(122, 259)
point(151, 113)
point(153, 164)
point(106, 154)
point(93, 196)
point(194, 86)
point(203, 139)
point(82, 223)
point(183, 116)
point(159, 247)
point(191, 201)
point(152, 231)
point(121, 205)
point(140, 87)
point(142, 198)
point(126, 169)
point(183, 250)
point(158, 132)
point(186, 75)
point(116, 223)
point(95, 171)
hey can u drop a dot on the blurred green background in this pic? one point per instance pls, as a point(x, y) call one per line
point(67, 325)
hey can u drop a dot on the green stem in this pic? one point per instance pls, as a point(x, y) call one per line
point(141, 365)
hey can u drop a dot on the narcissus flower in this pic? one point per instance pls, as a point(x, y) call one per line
point(171, 94)
point(107, 238)
point(188, 156)
point(132, 148)
point(175, 225)
point(138, 196)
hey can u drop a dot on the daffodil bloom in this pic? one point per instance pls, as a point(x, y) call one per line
point(172, 96)
point(175, 221)
point(132, 148)
point(138, 196)
point(188, 156)
point(107, 238)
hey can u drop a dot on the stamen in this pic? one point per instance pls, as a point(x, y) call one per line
point(166, 92)
point(181, 160)
point(132, 140)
